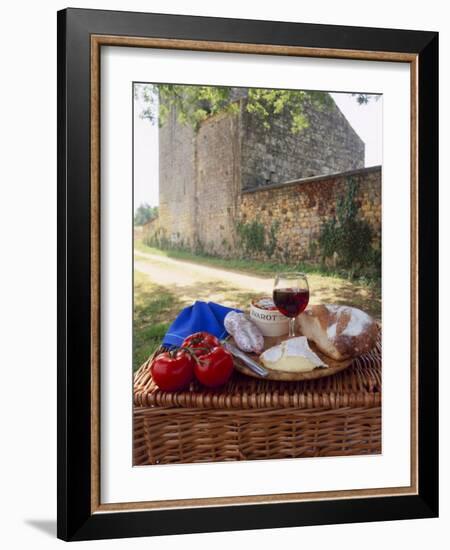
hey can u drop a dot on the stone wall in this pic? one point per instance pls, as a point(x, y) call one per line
point(275, 155)
point(300, 208)
point(205, 179)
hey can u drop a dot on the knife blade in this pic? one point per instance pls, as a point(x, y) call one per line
point(248, 361)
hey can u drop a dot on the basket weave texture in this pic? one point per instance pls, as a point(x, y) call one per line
point(251, 419)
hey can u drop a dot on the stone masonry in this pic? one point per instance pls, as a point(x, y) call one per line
point(299, 209)
point(327, 146)
point(234, 170)
point(199, 184)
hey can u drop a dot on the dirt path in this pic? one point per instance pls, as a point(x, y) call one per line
point(171, 271)
point(190, 281)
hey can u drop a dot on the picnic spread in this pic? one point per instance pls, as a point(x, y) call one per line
point(228, 384)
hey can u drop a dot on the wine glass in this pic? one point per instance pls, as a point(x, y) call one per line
point(291, 296)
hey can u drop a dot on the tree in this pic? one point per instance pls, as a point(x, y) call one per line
point(193, 104)
point(145, 213)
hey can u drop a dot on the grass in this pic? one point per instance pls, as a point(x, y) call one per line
point(253, 267)
point(153, 305)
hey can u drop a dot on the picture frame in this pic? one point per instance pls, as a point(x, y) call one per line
point(81, 35)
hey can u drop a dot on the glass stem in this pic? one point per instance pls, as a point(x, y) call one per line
point(291, 327)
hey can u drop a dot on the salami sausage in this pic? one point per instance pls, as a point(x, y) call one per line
point(246, 334)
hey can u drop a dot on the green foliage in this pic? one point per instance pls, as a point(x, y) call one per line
point(193, 104)
point(272, 239)
point(349, 238)
point(313, 246)
point(328, 238)
point(145, 213)
point(159, 239)
point(363, 99)
point(268, 103)
point(253, 237)
point(199, 248)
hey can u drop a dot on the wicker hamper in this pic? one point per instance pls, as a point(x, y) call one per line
point(260, 419)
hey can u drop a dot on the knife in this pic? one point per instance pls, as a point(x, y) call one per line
point(250, 363)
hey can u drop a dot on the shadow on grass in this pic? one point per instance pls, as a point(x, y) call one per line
point(362, 297)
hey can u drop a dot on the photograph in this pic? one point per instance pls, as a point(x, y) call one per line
point(257, 273)
point(225, 274)
point(247, 273)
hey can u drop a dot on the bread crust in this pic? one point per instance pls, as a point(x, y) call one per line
point(340, 332)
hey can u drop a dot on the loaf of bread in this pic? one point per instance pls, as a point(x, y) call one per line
point(340, 332)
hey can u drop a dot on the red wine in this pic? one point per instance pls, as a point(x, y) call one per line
point(291, 301)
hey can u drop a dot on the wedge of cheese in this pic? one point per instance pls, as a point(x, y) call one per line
point(293, 355)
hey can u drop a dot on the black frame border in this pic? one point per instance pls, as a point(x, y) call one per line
point(75, 521)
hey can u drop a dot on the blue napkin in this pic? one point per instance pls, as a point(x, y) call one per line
point(200, 317)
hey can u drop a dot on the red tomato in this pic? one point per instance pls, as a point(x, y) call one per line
point(172, 372)
point(214, 368)
point(201, 343)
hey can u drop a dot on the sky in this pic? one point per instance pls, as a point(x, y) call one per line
point(365, 119)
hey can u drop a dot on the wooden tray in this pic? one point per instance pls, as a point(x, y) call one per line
point(333, 365)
